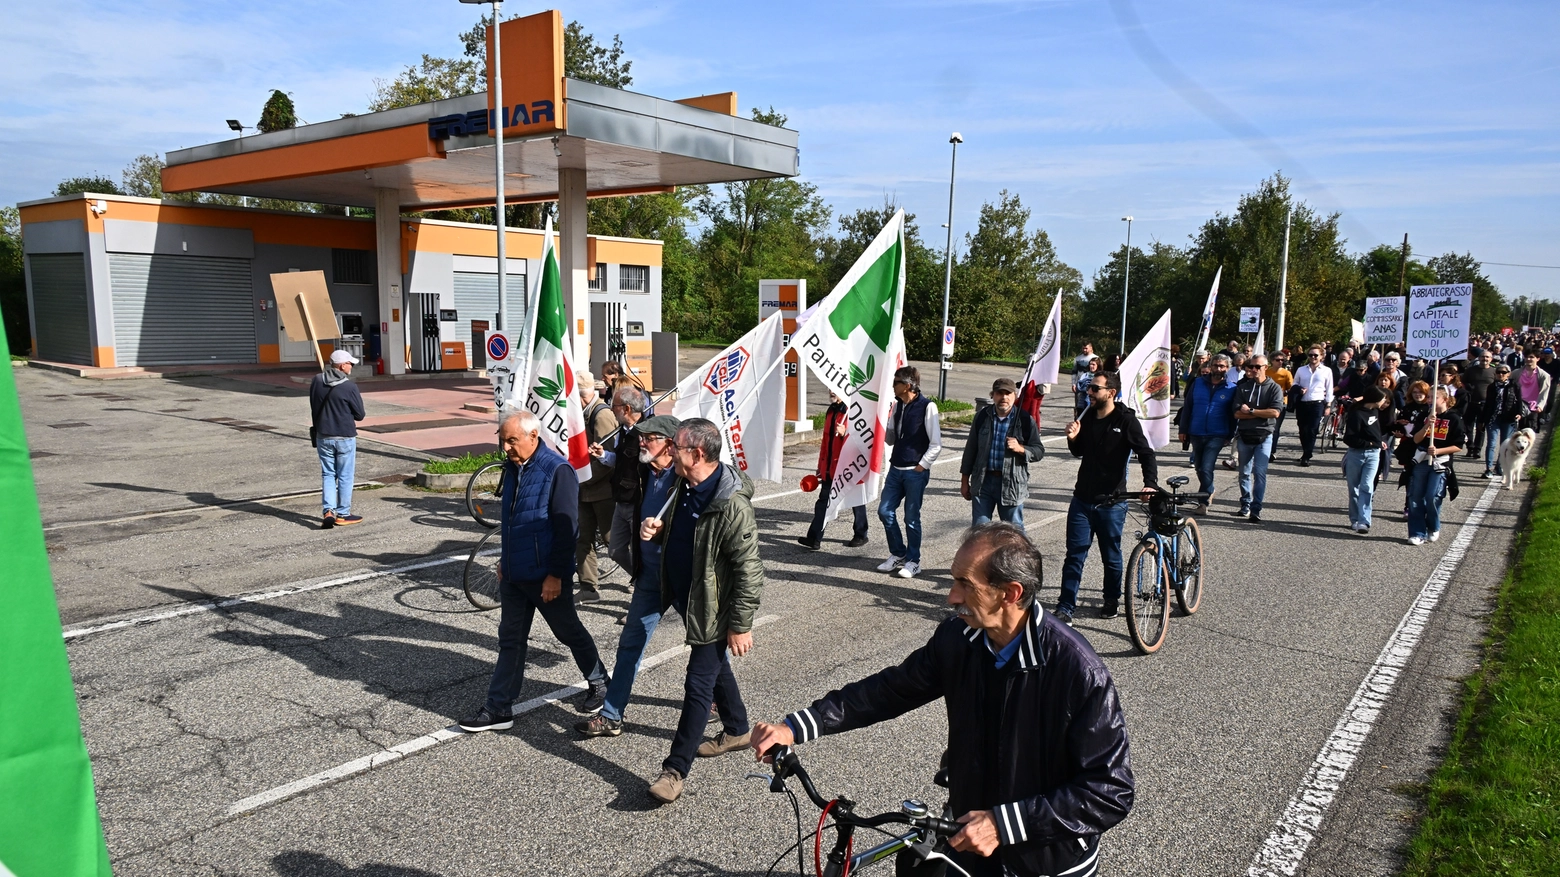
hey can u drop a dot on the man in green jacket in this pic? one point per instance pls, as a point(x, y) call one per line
point(711, 573)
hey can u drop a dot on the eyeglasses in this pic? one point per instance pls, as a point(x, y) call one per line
point(1250, 366)
point(1314, 355)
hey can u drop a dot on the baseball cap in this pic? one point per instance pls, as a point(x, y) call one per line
point(1547, 350)
point(1004, 385)
point(337, 357)
point(661, 424)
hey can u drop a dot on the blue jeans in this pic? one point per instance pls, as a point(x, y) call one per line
point(644, 613)
point(338, 462)
point(907, 485)
point(1087, 522)
point(1359, 470)
point(518, 604)
point(1424, 500)
point(989, 501)
point(1253, 461)
point(1205, 455)
point(1493, 436)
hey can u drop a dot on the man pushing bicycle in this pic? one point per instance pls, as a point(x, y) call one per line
point(1038, 761)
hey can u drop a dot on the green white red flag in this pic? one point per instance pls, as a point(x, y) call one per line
point(550, 388)
point(48, 809)
point(853, 343)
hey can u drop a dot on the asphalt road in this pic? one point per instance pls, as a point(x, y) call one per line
point(193, 718)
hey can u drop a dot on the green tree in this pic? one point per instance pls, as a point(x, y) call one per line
point(1490, 309)
point(1380, 269)
point(583, 57)
point(1163, 277)
point(433, 79)
point(93, 184)
point(278, 113)
point(1004, 285)
point(13, 282)
point(143, 179)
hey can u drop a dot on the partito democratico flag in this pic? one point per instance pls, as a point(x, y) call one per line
point(1145, 382)
point(1045, 363)
point(853, 343)
point(742, 391)
point(48, 811)
point(550, 391)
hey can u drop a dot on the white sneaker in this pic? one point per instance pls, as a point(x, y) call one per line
point(891, 564)
point(909, 570)
point(1353, 526)
point(1415, 540)
point(1436, 535)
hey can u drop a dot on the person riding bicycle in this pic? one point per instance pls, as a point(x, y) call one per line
point(1038, 759)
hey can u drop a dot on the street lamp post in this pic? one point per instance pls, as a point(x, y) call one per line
point(1126, 284)
point(499, 118)
point(942, 366)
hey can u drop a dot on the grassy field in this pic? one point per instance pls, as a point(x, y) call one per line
point(1493, 807)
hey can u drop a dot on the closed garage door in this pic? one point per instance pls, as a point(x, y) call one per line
point(476, 298)
point(173, 310)
point(59, 300)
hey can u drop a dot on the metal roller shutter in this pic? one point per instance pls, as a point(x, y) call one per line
point(476, 298)
point(174, 310)
point(59, 300)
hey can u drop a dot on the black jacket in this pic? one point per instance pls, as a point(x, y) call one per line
point(1105, 444)
point(1062, 773)
point(627, 479)
point(1503, 404)
point(338, 403)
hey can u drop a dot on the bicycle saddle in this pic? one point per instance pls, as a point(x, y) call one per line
point(1178, 481)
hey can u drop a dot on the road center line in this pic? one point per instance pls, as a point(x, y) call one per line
point(426, 741)
point(1302, 817)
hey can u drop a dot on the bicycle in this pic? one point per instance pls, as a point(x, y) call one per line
point(480, 577)
point(1332, 427)
point(1173, 543)
point(911, 849)
point(483, 492)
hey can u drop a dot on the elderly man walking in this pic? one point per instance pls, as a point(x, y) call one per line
point(597, 505)
point(1207, 421)
point(1259, 401)
point(537, 519)
point(336, 406)
point(712, 575)
point(994, 473)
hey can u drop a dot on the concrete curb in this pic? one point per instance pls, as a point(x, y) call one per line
point(432, 481)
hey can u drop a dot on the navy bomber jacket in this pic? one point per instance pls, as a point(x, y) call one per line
point(1041, 742)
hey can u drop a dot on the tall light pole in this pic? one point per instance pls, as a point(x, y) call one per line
point(942, 366)
point(498, 121)
point(1126, 284)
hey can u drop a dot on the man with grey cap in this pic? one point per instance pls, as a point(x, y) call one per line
point(655, 478)
point(994, 473)
point(336, 405)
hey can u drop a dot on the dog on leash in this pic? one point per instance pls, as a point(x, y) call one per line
point(1513, 456)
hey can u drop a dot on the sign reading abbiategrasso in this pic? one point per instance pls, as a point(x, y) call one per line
point(1384, 320)
point(1438, 320)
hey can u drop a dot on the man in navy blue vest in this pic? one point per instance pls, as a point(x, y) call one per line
point(539, 515)
point(916, 436)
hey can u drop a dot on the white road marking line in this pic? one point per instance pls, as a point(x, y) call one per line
point(285, 591)
point(1297, 826)
point(426, 741)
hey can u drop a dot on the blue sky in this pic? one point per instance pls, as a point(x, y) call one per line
point(1437, 119)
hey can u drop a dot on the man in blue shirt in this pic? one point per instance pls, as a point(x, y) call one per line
point(1208, 419)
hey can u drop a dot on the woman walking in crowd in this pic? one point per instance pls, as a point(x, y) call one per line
point(1387, 383)
point(1082, 378)
point(1362, 434)
point(1415, 404)
point(1438, 437)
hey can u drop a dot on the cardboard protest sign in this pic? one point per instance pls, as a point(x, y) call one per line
point(1438, 318)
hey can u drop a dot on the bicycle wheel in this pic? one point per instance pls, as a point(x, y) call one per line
point(1147, 593)
point(1189, 563)
point(481, 576)
point(482, 494)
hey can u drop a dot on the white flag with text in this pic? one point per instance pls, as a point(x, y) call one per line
point(742, 391)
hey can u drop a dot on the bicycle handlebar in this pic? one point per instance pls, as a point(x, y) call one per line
point(787, 764)
point(1178, 498)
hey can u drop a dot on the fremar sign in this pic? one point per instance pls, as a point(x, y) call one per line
point(481, 121)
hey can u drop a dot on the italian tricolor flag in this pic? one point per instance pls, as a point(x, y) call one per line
point(48, 810)
point(550, 391)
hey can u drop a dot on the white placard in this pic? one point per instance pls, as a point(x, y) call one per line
point(1384, 319)
point(1438, 320)
point(947, 341)
point(1250, 318)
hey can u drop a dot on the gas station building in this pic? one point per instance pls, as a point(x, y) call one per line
point(119, 281)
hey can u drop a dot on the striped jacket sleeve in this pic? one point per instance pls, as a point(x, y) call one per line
point(884, 695)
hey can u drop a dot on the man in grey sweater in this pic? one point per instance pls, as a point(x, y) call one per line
point(336, 405)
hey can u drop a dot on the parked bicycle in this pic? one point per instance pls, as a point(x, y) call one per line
point(482, 493)
point(1167, 560)
point(910, 849)
point(480, 578)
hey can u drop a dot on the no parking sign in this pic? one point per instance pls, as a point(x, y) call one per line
point(947, 341)
point(502, 369)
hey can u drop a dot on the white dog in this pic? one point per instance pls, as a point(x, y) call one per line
point(1513, 456)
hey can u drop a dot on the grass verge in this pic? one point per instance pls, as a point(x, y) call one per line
point(465, 463)
point(1493, 807)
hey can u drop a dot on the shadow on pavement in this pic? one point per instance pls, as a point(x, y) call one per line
point(298, 863)
point(202, 499)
